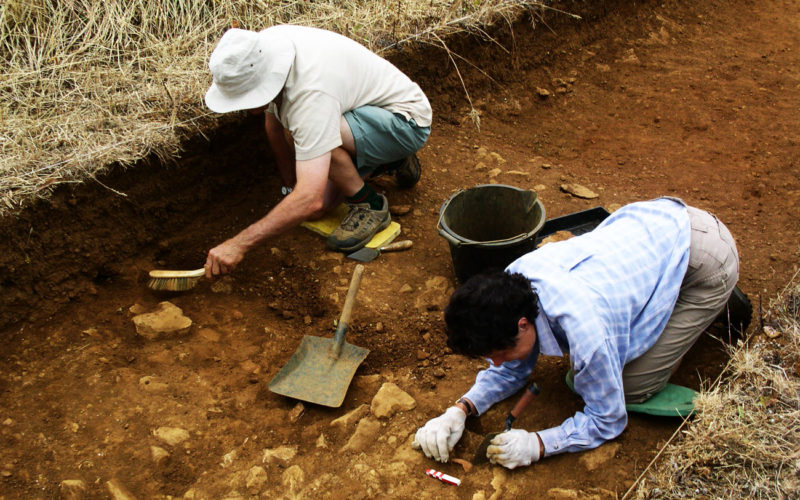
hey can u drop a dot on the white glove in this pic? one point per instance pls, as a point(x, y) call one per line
point(438, 437)
point(514, 448)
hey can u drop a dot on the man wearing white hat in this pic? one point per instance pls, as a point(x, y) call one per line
point(350, 115)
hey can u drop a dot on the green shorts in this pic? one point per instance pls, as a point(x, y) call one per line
point(383, 137)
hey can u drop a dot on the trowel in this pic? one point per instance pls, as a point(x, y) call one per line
point(530, 392)
point(367, 254)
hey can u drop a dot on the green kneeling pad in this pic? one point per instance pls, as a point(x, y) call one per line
point(672, 401)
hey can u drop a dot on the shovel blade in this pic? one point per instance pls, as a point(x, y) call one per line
point(365, 254)
point(312, 374)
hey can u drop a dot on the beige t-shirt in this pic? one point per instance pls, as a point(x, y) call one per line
point(331, 75)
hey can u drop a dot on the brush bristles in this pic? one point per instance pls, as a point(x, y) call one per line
point(173, 284)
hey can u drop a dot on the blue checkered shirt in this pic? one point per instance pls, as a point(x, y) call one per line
point(604, 298)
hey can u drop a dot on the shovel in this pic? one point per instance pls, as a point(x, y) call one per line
point(320, 370)
point(530, 392)
point(369, 254)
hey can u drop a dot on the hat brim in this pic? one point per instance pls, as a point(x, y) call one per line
point(281, 52)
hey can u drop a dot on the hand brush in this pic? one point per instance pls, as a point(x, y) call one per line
point(175, 281)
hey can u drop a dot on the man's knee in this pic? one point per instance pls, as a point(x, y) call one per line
point(340, 158)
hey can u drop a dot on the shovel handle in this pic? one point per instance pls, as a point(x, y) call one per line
point(349, 302)
point(397, 245)
point(530, 392)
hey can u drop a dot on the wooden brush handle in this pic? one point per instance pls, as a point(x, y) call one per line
point(196, 273)
point(397, 245)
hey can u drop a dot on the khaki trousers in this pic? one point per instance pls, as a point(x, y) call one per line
point(710, 279)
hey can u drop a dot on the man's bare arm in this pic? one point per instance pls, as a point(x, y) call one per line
point(301, 204)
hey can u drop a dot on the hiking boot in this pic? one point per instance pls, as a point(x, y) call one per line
point(734, 319)
point(359, 226)
point(406, 171)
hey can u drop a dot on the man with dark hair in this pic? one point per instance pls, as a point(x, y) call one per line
point(625, 302)
point(489, 303)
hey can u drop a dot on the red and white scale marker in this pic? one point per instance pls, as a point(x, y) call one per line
point(441, 476)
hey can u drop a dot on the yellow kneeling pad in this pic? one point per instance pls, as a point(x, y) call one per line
point(326, 225)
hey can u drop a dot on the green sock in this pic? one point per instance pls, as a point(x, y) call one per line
point(367, 195)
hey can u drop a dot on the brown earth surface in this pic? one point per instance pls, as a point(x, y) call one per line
point(696, 100)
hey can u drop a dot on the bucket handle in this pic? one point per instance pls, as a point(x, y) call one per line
point(453, 241)
point(463, 243)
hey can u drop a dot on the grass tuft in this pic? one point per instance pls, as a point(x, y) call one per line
point(88, 84)
point(744, 440)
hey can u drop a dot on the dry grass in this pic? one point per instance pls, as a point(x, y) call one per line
point(88, 84)
point(745, 439)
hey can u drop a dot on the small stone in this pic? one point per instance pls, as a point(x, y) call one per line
point(422, 355)
point(173, 436)
point(365, 435)
point(256, 479)
point(136, 309)
point(322, 442)
point(438, 373)
point(249, 366)
point(579, 191)
point(150, 384)
point(562, 494)
point(280, 456)
point(495, 157)
point(306, 320)
point(228, 458)
point(543, 93)
point(118, 491)
point(494, 173)
point(499, 479)
point(406, 288)
point(603, 68)
point(287, 314)
point(73, 489)
point(399, 210)
point(389, 400)
point(293, 478)
point(223, 285)
point(296, 412)
point(379, 327)
point(350, 417)
point(168, 320)
point(237, 314)
point(160, 455)
point(593, 459)
point(480, 166)
point(630, 57)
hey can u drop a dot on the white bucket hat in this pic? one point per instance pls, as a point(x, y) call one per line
point(248, 69)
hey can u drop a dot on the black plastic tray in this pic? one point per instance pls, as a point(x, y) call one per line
point(576, 223)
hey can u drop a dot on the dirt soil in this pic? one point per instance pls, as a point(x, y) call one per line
point(691, 99)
